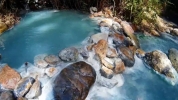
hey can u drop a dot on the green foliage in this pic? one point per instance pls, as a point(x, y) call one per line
point(139, 9)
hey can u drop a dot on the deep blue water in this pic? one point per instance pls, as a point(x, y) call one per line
point(44, 32)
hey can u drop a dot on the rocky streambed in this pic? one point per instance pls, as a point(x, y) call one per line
point(77, 71)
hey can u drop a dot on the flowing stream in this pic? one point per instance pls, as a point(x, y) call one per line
point(51, 31)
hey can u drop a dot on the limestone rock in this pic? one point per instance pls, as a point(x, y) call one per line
point(96, 37)
point(111, 53)
point(69, 54)
point(126, 55)
point(74, 82)
point(23, 86)
point(51, 71)
point(6, 95)
point(34, 91)
point(130, 32)
point(8, 77)
point(173, 56)
point(106, 72)
point(52, 59)
point(119, 66)
point(159, 62)
point(3, 27)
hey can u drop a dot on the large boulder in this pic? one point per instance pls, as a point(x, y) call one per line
point(74, 82)
point(159, 62)
point(173, 56)
point(34, 91)
point(23, 86)
point(8, 77)
point(7, 95)
point(126, 55)
point(130, 32)
point(3, 27)
point(69, 54)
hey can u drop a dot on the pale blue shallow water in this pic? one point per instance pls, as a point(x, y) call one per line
point(49, 32)
point(44, 32)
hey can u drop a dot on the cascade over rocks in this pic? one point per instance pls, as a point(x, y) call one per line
point(69, 54)
point(8, 77)
point(173, 56)
point(159, 62)
point(74, 81)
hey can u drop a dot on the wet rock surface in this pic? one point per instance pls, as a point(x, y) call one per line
point(74, 82)
point(7, 95)
point(126, 55)
point(51, 60)
point(8, 77)
point(69, 54)
point(173, 56)
point(23, 86)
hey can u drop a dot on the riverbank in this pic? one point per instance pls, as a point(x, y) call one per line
point(99, 62)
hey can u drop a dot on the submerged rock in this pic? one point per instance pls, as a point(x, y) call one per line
point(126, 55)
point(52, 60)
point(159, 62)
point(105, 82)
point(106, 72)
point(130, 32)
point(119, 66)
point(74, 82)
point(7, 95)
point(8, 77)
point(69, 54)
point(23, 86)
point(34, 91)
point(173, 56)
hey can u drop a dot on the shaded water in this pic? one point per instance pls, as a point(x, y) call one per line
point(43, 32)
point(49, 32)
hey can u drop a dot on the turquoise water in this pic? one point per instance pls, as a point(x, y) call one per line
point(44, 32)
point(49, 32)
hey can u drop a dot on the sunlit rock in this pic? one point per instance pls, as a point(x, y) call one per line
point(51, 71)
point(96, 37)
point(130, 32)
point(101, 48)
point(159, 62)
point(74, 81)
point(23, 86)
point(8, 77)
point(119, 66)
point(34, 91)
point(52, 60)
point(107, 63)
point(173, 56)
point(126, 55)
point(69, 54)
point(140, 53)
point(6, 95)
point(106, 72)
point(3, 27)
